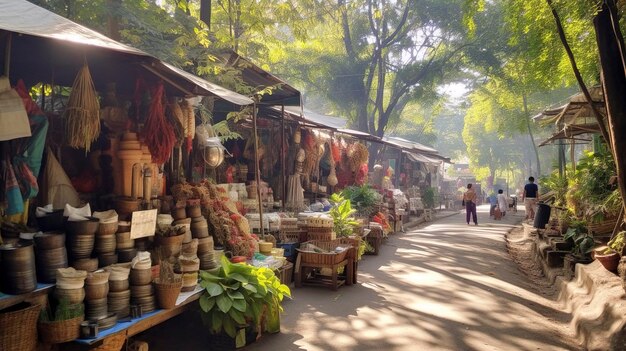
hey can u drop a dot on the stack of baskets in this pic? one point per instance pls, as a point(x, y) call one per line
point(96, 291)
point(119, 289)
point(206, 254)
point(50, 255)
point(18, 327)
point(189, 265)
point(106, 242)
point(320, 228)
point(140, 278)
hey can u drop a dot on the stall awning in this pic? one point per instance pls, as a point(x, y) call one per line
point(49, 48)
point(422, 158)
point(255, 76)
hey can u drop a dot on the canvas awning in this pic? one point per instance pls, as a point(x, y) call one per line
point(46, 47)
point(253, 75)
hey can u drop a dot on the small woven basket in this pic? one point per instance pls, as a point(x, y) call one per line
point(167, 293)
point(59, 331)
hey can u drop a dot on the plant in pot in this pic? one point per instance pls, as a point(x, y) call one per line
point(61, 324)
point(342, 214)
point(609, 255)
point(168, 284)
point(239, 298)
point(581, 252)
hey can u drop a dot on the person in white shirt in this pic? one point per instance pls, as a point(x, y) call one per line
point(503, 204)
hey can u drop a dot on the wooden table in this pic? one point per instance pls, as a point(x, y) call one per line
point(115, 337)
point(37, 296)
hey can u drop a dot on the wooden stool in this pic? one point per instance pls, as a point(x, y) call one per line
point(303, 269)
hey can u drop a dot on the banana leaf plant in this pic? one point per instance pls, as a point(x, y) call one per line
point(342, 214)
point(237, 296)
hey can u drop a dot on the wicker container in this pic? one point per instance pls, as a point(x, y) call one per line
point(58, 332)
point(293, 236)
point(49, 240)
point(604, 227)
point(47, 263)
point(328, 258)
point(18, 327)
point(118, 285)
point(170, 245)
point(325, 236)
point(98, 291)
point(190, 280)
point(205, 245)
point(167, 293)
point(123, 241)
point(107, 259)
point(86, 264)
point(140, 276)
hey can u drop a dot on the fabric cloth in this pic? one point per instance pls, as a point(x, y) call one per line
point(470, 195)
point(470, 210)
point(503, 202)
point(531, 190)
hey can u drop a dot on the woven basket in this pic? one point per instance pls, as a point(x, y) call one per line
point(328, 258)
point(604, 227)
point(18, 327)
point(59, 331)
point(321, 236)
point(295, 236)
point(166, 294)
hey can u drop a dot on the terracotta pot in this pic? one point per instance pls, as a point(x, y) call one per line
point(169, 246)
point(609, 261)
point(179, 213)
point(167, 293)
point(125, 206)
point(17, 268)
point(107, 228)
point(194, 211)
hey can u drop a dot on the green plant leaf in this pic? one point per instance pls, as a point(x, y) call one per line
point(235, 295)
point(224, 303)
point(229, 326)
point(214, 289)
point(240, 305)
point(238, 277)
point(250, 287)
point(237, 316)
point(216, 321)
point(206, 302)
point(240, 340)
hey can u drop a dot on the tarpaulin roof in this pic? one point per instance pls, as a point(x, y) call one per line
point(46, 47)
point(255, 76)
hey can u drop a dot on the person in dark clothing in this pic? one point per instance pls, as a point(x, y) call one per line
point(470, 204)
point(530, 196)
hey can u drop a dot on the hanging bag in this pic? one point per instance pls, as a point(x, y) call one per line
point(13, 118)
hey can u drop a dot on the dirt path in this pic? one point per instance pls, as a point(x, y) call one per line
point(445, 286)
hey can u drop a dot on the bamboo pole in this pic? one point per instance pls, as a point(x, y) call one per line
point(257, 174)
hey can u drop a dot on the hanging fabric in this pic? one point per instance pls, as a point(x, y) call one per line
point(13, 117)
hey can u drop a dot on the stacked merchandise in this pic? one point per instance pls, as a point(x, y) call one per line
point(96, 291)
point(106, 242)
point(50, 255)
point(189, 265)
point(206, 254)
point(320, 228)
point(141, 289)
point(119, 289)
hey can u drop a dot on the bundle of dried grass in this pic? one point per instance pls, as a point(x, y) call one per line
point(189, 123)
point(357, 156)
point(82, 115)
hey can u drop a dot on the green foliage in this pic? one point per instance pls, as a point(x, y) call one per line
point(64, 311)
point(557, 184)
point(364, 199)
point(590, 193)
point(237, 295)
point(618, 242)
point(343, 215)
point(583, 242)
point(428, 197)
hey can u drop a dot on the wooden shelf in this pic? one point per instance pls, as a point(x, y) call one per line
point(7, 300)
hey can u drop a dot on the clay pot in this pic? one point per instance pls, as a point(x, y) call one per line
point(86, 264)
point(609, 261)
point(194, 211)
point(107, 259)
point(126, 205)
point(47, 263)
point(49, 240)
point(107, 228)
point(80, 246)
point(140, 276)
point(118, 286)
point(179, 213)
point(126, 255)
point(205, 245)
point(137, 291)
point(169, 246)
point(17, 268)
point(199, 228)
point(86, 227)
point(105, 244)
point(97, 291)
point(123, 241)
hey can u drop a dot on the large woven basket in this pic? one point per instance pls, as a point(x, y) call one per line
point(604, 227)
point(328, 236)
point(18, 327)
point(328, 258)
point(59, 331)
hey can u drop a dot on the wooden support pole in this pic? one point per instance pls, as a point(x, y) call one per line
point(283, 162)
point(7, 55)
point(257, 171)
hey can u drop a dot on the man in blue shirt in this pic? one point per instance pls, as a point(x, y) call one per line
point(530, 196)
point(493, 201)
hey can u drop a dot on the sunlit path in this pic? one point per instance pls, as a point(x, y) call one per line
point(445, 286)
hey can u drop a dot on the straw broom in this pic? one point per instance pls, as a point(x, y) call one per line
point(82, 114)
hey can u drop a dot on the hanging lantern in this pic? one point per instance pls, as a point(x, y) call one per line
point(213, 148)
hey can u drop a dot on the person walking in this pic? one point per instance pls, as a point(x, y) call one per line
point(503, 202)
point(470, 204)
point(529, 197)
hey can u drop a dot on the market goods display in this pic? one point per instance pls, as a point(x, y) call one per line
point(82, 114)
point(50, 254)
point(17, 268)
point(118, 298)
point(159, 136)
point(140, 277)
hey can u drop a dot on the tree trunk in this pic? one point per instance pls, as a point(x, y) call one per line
point(205, 12)
point(113, 19)
point(530, 134)
point(610, 45)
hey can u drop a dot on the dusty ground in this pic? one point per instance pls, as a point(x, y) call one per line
point(443, 286)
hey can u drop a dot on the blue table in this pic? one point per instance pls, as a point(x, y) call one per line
point(7, 300)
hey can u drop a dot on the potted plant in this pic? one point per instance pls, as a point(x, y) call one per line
point(342, 214)
point(238, 298)
point(62, 324)
point(581, 252)
point(168, 285)
point(609, 255)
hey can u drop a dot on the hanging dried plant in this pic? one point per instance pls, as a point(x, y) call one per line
point(82, 115)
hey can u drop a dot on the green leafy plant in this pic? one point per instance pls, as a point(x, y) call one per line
point(583, 242)
point(618, 242)
point(428, 197)
point(363, 198)
point(239, 295)
point(343, 215)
